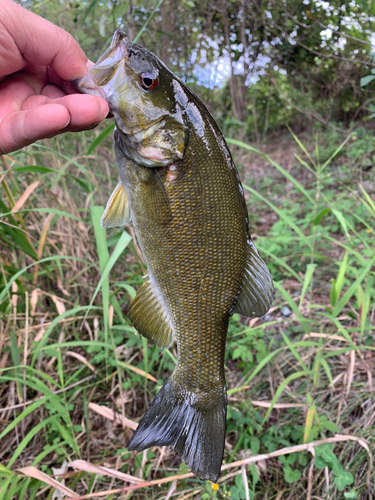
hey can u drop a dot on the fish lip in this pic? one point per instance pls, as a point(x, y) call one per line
point(116, 53)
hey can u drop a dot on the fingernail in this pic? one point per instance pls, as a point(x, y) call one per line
point(66, 124)
point(89, 65)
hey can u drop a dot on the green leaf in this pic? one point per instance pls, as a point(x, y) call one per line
point(320, 463)
point(352, 289)
point(107, 264)
point(4, 487)
point(322, 448)
point(291, 476)
point(310, 268)
point(83, 184)
point(366, 80)
point(33, 169)
point(15, 357)
point(100, 138)
point(129, 288)
point(341, 275)
point(35, 429)
point(280, 389)
point(255, 445)
point(343, 222)
point(350, 495)
point(330, 426)
point(333, 295)
point(320, 216)
point(4, 472)
point(345, 479)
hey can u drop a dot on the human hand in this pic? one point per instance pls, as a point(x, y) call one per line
point(37, 62)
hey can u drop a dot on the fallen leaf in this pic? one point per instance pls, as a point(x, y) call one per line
point(82, 359)
point(114, 416)
point(19, 204)
point(59, 304)
point(33, 300)
point(138, 370)
point(37, 474)
point(104, 471)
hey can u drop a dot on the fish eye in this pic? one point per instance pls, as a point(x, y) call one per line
point(148, 82)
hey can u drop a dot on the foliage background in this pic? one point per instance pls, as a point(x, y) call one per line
point(302, 373)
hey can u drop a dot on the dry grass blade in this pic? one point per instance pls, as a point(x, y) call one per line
point(114, 416)
point(171, 490)
point(350, 371)
point(245, 483)
point(37, 474)
point(324, 336)
point(139, 371)
point(21, 201)
point(33, 301)
point(82, 359)
point(59, 304)
point(42, 241)
point(310, 480)
point(104, 471)
point(267, 404)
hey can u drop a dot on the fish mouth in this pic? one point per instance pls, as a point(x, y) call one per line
point(107, 77)
point(108, 73)
point(139, 132)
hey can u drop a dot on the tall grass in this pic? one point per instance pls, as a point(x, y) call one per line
point(75, 376)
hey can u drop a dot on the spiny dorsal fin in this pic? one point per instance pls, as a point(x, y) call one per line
point(117, 211)
point(149, 317)
point(256, 295)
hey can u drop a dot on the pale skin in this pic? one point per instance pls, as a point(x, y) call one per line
point(37, 62)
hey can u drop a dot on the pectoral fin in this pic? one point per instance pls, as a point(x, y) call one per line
point(149, 317)
point(156, 204)
point(257, 290)
point(117, 212)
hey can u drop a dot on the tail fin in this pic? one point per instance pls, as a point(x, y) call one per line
point(193, 427)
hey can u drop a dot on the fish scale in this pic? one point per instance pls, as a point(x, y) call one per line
point(182, 189)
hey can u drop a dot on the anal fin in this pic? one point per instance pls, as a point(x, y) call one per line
point(256, 294)
point(149, 317)
point(117, 212)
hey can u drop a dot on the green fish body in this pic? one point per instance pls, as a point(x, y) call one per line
point(180, 187)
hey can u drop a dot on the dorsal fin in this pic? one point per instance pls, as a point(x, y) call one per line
point(117, 212)
point(256, 293)
point(149, 317)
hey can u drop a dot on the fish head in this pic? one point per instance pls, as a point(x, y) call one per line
point(141, 95)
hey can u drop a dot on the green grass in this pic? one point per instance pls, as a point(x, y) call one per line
point(66, 342)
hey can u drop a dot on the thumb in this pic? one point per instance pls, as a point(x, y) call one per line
point(41, 42)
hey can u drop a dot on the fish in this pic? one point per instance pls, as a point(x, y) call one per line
point(181, 189)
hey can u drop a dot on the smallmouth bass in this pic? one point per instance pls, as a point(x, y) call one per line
point(179, 185)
